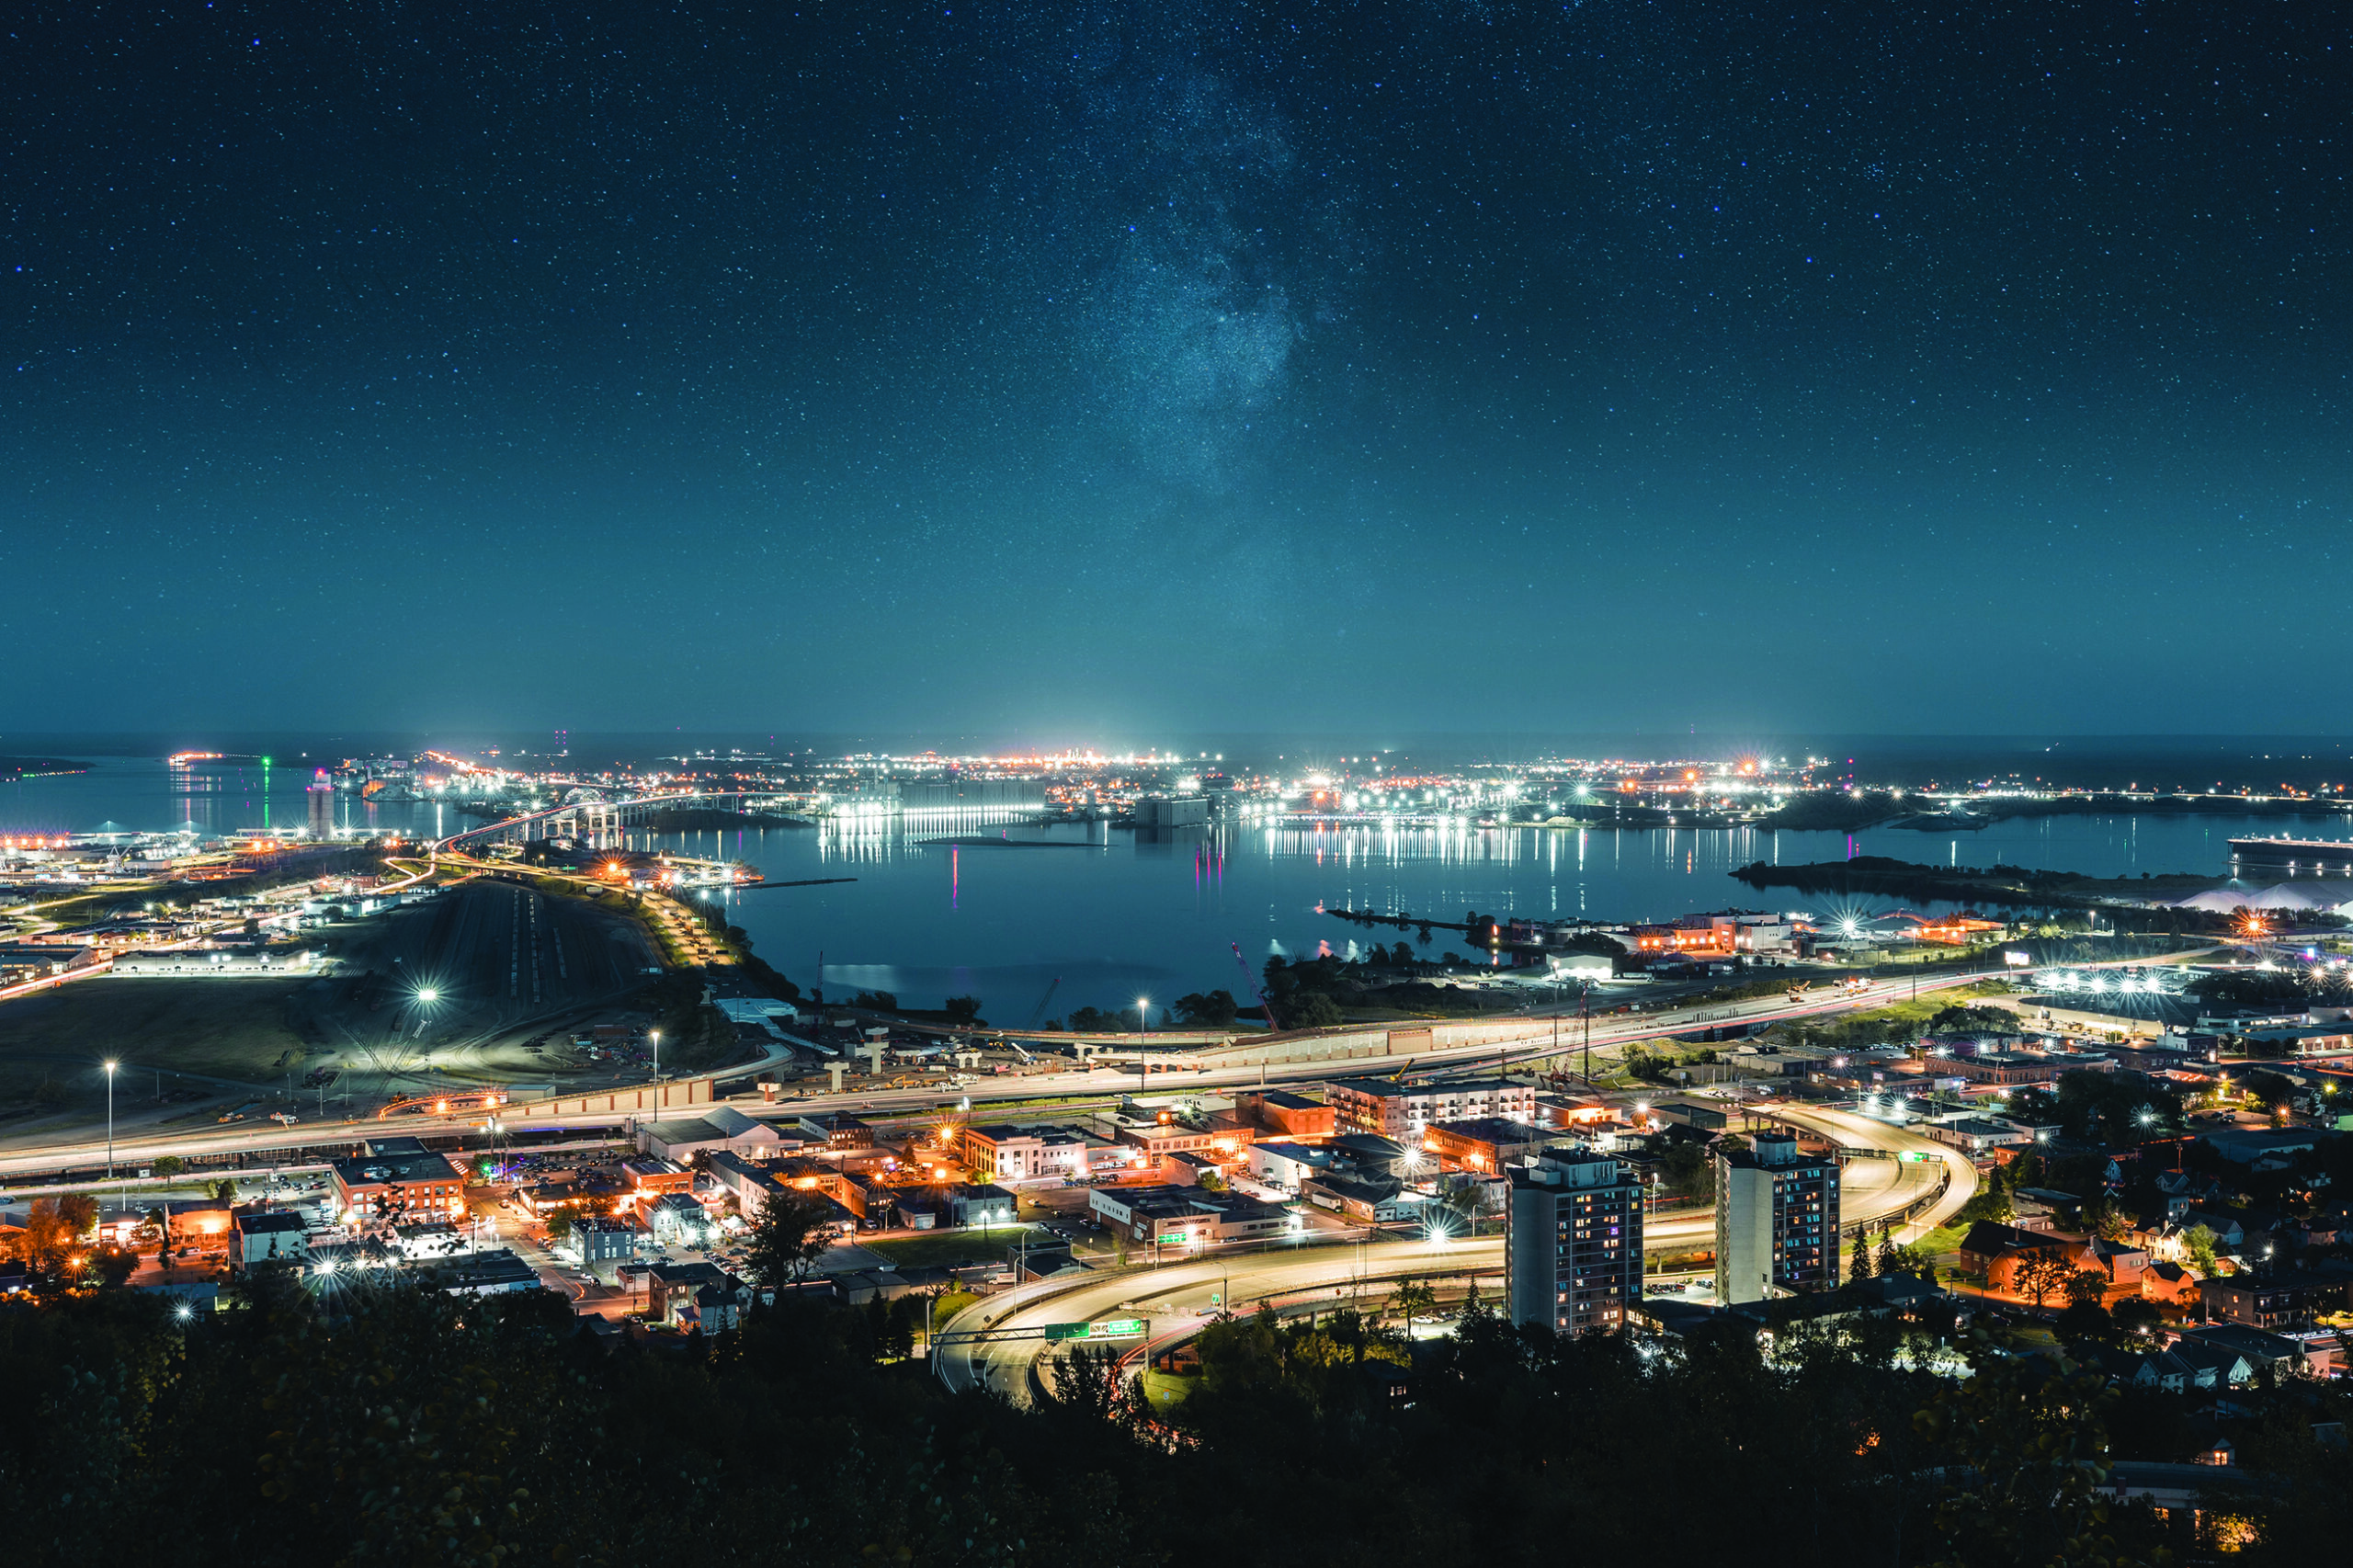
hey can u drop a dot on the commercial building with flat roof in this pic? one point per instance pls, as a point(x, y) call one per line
point(1483, 1144)
point(1286, 1115)
point(838, 1129)
point(1401, 1110)
point(397, 1185)
point(1001, 1152)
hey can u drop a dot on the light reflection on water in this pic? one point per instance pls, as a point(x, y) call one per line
point(1117, 915)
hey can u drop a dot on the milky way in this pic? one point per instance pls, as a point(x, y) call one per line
point(1086, 368)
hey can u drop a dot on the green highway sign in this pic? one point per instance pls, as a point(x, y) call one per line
point(1108, 1328)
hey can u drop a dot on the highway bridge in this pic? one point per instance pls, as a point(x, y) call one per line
point(592, 820)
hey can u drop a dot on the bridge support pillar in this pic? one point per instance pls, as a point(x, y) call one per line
point(838, 1069)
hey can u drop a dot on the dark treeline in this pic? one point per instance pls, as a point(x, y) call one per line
point(411, 1428)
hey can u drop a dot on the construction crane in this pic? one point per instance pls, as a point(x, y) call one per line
point(1256, 990)
point(1035, 1014)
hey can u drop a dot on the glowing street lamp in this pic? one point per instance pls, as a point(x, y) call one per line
point(110, 1067)
point(657, 1037)
point(1143, 1065)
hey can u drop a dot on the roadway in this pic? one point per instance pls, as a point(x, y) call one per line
point(1174, 1299)
point(1488, 1056)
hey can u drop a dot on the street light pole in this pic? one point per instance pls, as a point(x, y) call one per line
point(111, 1066)
point(657, 1055)
point(1143, 1066)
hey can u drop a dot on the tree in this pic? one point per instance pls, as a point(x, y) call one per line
point(1414, 1298)
point(1912, 1259)
point(2137, 1314)
point(2087, 1287)
point(1861, 1266)
point(2027, 1451)
point(2197, 1242)
point(791, 1231)
point(1207, 1010)
point(224, 1191)
point(2106, 1219)
point(962, 1009)
point(2040, 1275)
point(1992, 1202)
point(1086, 1382)
point(79, 1212)
point(1688, 1169)
point(1313, 1010)
point(166, 1166)
point(1972, 1020)
point(1890, 1257)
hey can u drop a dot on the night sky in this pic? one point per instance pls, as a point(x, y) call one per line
point(1066, 371)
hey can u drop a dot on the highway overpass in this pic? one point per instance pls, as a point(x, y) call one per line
point(998, 1343)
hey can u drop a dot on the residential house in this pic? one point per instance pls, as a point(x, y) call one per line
point(2212, 1365)
point(2170, 1283)
point(277, 1237)
point(2278, 1353)
point(2228, 1234)
point(2254, 1302)
point(671, 1290)
point(605, 1241)
point(680, 1218)
point(1998, 1250)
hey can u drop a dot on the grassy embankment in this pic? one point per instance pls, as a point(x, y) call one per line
point(950, 1249)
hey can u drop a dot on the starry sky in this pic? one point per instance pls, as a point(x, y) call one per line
point(1063, 370)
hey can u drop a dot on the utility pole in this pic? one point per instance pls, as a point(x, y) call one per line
point(1585, 1011)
